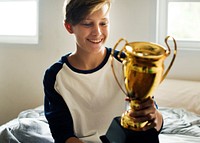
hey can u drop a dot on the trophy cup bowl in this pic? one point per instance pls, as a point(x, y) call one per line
point(143, 71)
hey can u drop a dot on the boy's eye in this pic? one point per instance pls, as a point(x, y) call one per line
point(104, 23)
point(87, 24)
point(90, 24)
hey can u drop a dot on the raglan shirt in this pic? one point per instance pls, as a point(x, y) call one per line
point(82, 103)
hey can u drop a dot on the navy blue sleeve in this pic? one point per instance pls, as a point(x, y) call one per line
point(55, 108)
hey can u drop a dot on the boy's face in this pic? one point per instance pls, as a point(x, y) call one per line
point(92, 32)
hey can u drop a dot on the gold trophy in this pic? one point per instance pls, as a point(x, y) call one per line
point(143, 70)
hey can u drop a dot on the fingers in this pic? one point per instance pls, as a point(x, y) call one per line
point(146, 104)
point(149, 117)
point(144, 108)
point(149, 126)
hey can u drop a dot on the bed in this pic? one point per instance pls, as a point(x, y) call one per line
point(178, 100)
point(29, 127)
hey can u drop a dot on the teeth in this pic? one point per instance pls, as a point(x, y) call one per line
point(95, 41)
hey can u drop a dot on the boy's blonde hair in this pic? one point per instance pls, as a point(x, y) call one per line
point(76, 10)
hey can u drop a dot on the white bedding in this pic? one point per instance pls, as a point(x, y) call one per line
point(30, 127)
point(180, 126)
point(179, 94)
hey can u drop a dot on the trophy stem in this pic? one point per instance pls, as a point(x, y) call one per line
point(126, 120)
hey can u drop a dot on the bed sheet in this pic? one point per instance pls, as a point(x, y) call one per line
point(29, 127)
point(180, 126)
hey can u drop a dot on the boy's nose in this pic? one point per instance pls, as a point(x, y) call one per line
point(96, 30)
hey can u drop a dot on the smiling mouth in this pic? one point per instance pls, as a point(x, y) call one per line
point(95, 41)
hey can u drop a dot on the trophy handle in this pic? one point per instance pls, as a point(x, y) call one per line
point(173, 58)
point(112, 57)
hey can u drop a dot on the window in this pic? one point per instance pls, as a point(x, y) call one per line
point(19, 21)
point(180, 19)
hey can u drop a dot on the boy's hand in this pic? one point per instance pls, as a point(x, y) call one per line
point(146, 111)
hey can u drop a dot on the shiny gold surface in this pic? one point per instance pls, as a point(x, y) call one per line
point(143, 69)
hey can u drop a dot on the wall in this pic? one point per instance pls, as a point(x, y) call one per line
point(22, 66)
point(135, 20)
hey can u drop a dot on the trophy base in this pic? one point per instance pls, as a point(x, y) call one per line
point(117, 134)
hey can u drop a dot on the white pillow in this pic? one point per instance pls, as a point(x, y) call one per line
point(179, 94)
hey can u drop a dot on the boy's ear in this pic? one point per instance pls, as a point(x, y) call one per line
point(68, 26)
